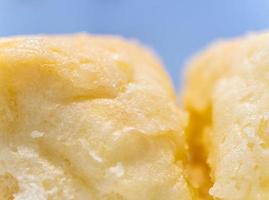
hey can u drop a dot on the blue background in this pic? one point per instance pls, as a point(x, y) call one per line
point(175, 29)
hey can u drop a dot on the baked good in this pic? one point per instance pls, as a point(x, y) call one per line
point(227, 87)
point(87, 117)
point(201, 75)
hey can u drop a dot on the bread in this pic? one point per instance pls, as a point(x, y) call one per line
point(201, 76)
point(87, 117)
point(227, 87)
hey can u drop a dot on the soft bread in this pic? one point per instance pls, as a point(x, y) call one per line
point(227, 93)
point(87, 117)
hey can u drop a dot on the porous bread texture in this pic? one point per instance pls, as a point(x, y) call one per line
point(233, 96)
point(8, 186)
point(201, 75)
point(88, 117)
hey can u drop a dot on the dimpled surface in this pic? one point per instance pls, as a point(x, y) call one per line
point(236, 106)
point(87, 117)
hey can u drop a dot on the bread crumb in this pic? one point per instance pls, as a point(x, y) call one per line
point(8, 186)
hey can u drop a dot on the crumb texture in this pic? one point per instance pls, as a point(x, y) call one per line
point(227, 87)
point(87, 117)
point(8, 186)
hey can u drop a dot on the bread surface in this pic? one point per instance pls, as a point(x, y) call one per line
point(227, 91)
point(87, 117)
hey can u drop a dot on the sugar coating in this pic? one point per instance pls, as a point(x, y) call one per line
point(63, 98)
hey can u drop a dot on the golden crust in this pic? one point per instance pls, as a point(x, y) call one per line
point(88, 117)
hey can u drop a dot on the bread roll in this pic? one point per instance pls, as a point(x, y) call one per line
point(87, 117)
point(228, 87)
point(201, 76)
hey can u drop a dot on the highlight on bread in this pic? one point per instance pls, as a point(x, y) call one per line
point(227, 95)
point(88, 117)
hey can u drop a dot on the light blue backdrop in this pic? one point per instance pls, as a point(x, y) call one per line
point(174, 28)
